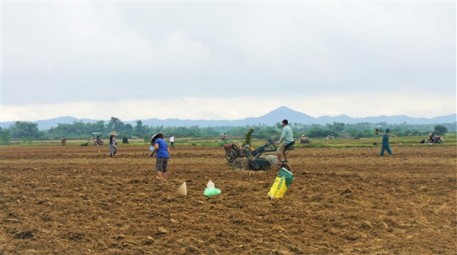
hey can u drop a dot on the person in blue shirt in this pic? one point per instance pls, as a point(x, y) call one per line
point(162, 152)
point(385, 144)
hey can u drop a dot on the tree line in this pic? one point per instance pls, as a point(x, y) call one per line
point(27, 131)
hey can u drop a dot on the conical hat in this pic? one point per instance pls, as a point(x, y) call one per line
point(182, 190)
point(113, 133)
point(154, 136)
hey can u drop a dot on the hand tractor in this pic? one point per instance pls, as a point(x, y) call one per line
point(255, 161)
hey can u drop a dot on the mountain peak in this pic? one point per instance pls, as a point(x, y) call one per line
point(284, 112)
point(282, 108)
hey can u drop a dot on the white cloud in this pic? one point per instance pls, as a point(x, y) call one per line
point(252, 56)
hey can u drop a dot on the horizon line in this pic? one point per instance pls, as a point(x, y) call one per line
point(167, 119)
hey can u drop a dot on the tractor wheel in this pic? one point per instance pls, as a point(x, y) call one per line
point(230, 155)
point(245, 152)
point(240, 164)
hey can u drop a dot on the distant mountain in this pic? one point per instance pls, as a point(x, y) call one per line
point(270, 118)
point(339, 118)
point(293, 116)
point(49, 123)
point(396, 119)
point(278, 115)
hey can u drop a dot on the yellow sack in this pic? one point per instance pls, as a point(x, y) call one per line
point(279, 188)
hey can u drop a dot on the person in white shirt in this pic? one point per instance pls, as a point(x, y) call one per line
point(172, 141)
point(287, 136)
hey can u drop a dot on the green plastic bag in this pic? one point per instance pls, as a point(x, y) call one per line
point(209, 192)
point(287, 175)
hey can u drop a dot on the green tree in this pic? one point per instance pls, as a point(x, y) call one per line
point(98, 126)
point(25, 130)
point(4, 136)
point(115, 124)
point(265, 133)
point(336, 126)
point(139, 130)
point(79, 129)
point(128, 129)
point(440, 130)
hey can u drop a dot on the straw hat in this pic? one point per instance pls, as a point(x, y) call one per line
point(113, 133)
point(182, 190)
point(155, 136)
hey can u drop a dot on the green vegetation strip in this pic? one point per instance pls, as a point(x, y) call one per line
point(449, 140)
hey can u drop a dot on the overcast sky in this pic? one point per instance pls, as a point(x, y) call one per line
point(226, 59)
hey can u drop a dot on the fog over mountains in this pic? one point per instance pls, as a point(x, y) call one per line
point(275, 116)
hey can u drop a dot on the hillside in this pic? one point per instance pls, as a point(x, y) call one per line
point(270, 118)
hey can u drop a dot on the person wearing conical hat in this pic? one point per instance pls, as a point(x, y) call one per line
point(151, 148)
point(112, 144)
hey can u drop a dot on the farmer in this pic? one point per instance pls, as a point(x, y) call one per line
point(112, 144)
point(385, 144)
point(287, 136)
point(163, 154)
point(125, 139)
point(431, 138)
point(247, 137)
point(98, 140)
point(172, 141)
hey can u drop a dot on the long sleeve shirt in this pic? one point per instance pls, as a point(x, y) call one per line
point(287, 135)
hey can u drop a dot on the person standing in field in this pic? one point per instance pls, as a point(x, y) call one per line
point(385, 144)
point(112, 144)
point(247, 138)
point(162, 152)
point(287, 137)
point(172, 141)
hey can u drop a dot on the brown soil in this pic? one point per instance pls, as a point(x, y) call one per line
point(77, 200)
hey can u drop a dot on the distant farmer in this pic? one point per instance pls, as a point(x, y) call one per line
point(163, 154)
point(125, 138)
point(98, 140)
point(287, 137)
point(112, 144)
point(172, 141)
point(385, 144)
point(431, 138)
point(247, 138)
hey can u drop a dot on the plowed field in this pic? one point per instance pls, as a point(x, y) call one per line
point(77, 200)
